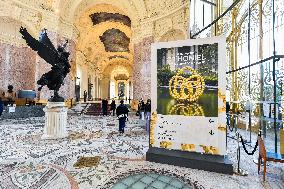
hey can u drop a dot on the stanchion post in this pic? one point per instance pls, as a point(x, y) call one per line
point(238, 170)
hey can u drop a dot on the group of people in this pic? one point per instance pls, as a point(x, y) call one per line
point(105, 108)
point(7, 98)
point(144, 112)
point(122, 111)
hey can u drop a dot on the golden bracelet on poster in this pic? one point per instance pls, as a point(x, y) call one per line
point(185, 109)
point(223, 98)
point(166, 144)
point(209, 149)
point(153, 123)
point(190, 88)
point(188, 147)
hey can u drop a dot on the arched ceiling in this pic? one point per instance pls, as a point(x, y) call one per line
point(105, 28)
point(104, 36)
point(74, 9)
point(173, 35)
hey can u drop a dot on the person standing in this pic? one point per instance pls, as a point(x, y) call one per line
point(113, 107)
point(10, 95)
point(142, 109)
point(85, 96)
point(104, 106)
point(122, 114)
point(148, 114)
point(1, 106)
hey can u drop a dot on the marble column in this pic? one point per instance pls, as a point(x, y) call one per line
point(55, 121)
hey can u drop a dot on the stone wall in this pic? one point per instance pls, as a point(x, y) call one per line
point(142, 69)
point(17, 67)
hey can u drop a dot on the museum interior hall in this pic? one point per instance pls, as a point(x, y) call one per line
point(141, 94)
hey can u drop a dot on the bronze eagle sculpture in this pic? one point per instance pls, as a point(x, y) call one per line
point(57, 58)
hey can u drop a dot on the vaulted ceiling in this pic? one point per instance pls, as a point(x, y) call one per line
point(105, 38)
point(105, 28)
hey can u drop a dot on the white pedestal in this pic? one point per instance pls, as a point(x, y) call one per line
point(55, 121)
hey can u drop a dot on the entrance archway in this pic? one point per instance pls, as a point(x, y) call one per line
point(104, 49)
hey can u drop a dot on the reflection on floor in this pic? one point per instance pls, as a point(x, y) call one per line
point(26, 161)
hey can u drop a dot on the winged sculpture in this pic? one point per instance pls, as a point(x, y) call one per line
point(57, 58)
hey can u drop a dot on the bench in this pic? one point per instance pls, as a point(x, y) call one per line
point(267, 156)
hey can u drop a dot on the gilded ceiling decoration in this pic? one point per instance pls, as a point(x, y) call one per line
point(100, 17)
point(118, 56)
point(115, 40)
point(121, 77)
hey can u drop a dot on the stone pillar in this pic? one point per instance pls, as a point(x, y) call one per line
point(105, 87)
point(84, 79)
point(97, 88)
point(94, 81)
point(55, 121)
point(142, 69)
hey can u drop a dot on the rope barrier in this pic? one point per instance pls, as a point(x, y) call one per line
point(255, 146)
point(244, 147)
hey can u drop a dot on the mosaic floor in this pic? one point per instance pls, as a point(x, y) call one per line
point(27, 162)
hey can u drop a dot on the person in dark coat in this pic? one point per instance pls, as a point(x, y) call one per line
point(85, 96)
point(141, 108)
point(113, 107)
point(1, 106)
point(122, 114)
point(104, 106)
point(148, 114)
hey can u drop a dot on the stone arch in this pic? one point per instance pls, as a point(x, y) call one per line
point(11, 32)
point(110, 65)
point(77, 8)
point(173, 35)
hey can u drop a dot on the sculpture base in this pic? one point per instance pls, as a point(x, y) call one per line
point(55, 121)
point(207, 162)
point(56, 99)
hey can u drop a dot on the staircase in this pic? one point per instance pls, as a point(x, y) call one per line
point(94, 109)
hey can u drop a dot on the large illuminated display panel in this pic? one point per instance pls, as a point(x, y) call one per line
point(188, 87)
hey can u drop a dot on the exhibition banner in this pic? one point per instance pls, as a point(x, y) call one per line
point(188, 95)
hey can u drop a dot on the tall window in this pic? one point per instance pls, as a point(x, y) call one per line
point(255, 59)
point(201, 15)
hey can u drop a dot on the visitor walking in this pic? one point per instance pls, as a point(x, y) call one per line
point(122, 114)
point(113, 107)
point(148, 114)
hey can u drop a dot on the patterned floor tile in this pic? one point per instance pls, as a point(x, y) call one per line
point(27, 161)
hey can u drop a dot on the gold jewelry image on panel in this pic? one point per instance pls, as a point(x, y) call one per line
point(188, 147)
point(166, 144)
point(189, 89)
point(187, 109)
point(153, 123)
point(188, 75)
